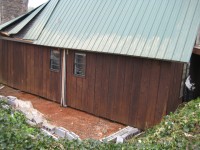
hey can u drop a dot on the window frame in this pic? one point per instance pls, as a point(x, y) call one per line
point(51, 64)
point(84, 65)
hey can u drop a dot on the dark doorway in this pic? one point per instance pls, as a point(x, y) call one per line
point(195, 74)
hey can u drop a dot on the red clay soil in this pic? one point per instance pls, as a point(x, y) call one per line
point(83, 124)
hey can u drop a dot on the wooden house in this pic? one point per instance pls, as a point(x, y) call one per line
point(122, 60)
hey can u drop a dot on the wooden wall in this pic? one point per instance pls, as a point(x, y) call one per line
point(27, 67)
point(133, 91)
point(129, 90)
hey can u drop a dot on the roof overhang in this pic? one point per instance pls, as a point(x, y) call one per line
point(16, 39)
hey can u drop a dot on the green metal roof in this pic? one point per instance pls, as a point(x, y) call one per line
point(158, 29)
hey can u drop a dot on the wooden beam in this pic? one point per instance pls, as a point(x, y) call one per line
point(16, 40)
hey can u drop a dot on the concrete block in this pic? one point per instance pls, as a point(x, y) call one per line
point(49, 134)
point(119, 140)
point(72, 136)
point(48, 127)
point(31, 123)
point(38, 120)
point(60, 132)
point(124, 133)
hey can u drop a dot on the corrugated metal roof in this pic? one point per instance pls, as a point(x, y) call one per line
point(23, 23)
point(41, 21)
point(2, 26)
point(146, 28)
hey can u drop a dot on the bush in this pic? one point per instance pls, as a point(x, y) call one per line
point(180, 130)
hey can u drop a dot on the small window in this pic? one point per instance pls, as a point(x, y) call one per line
point(79, 64)
point(55, 60)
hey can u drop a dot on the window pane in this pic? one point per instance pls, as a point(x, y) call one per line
point(79, 66)
point(55, 60)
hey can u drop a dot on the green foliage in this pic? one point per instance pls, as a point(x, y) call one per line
point(15, 133)
point(180, 130)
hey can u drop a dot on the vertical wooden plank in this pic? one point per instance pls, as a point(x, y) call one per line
point(32, 73)
point(48, 74)
point(175, 86)
point(11, 63)
point(127, 90)
point(40, 70)
point(90, 76)
point(152, 93)
point(73, 83)
point(23, 61)
point(137, 73)
point(45, 69)
point(103, 106)
point(120, 103)
point(98, 85)
point(36, 70)
point(8, 64)
point(112, 88)
point(4, 63)
point(163, 91)
point(68, 77)
point(143, 97)
point(28, 69)
point(15, 51)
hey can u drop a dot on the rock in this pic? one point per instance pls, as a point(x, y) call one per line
point(12, 101)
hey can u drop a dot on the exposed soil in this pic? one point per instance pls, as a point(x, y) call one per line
point(83, 124)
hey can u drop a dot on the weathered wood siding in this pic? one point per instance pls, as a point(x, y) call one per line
point(27, 67)
point(133, 91)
